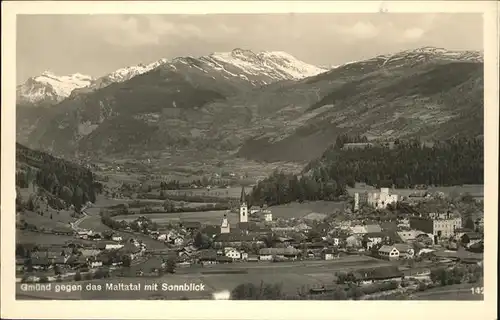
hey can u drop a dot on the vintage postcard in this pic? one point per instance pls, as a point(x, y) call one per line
point(329, 152)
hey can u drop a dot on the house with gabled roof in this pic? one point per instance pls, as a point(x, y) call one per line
point(388, 252)
point(405, 251)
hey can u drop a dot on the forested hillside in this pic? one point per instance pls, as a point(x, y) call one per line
point(69, 182)
point(403, 164)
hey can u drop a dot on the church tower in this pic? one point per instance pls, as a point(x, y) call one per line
point(225, 228)
point(243, 206)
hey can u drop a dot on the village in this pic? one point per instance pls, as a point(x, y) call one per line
point(404, 248)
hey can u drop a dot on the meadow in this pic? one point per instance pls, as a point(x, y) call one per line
point(312, 209)
point(231, 192)
point(205, 217)
point(49, 220)
point(24, 236)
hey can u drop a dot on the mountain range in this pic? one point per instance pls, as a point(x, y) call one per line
point(265, 106)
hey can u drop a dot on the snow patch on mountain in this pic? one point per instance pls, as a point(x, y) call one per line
point(49, 87)
point(424, 53)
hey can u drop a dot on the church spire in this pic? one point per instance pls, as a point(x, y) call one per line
point(243, 195)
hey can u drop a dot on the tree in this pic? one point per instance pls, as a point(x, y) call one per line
point(57, 270)
point(171, 265)
point(78, 276)
point(168, 206)
point(202, 241)
point(469, 224)
point(77, 199)
point(126, 261)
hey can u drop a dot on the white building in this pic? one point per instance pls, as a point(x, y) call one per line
point(243, 207)
point(225, 227)
point(178, 241)
point(113, 246)
point(356, 201)
point(233, 254)
point(268, 217)
point(358, 229)
point(405, 251)
point(380, 200)
point(95, 264)
point(372, 239)
point(162, 237)
point(389, 252)
point(117, 238)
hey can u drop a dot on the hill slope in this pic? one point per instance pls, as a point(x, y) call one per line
point(62, 182)
point(413, 94)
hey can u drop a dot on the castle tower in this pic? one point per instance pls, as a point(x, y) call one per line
point(225, 227)
point(243, 206)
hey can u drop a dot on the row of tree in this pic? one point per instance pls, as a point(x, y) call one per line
point(282, 187)
point(405, 164)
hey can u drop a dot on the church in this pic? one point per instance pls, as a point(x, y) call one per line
point(243, 212)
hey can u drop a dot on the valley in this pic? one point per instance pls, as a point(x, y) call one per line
point(239, 168)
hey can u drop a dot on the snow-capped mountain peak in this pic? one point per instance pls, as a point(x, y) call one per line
point(49, 87)
point(124, 74)
point(277, 65)
point(258, 68)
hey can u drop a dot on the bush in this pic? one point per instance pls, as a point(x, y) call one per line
point(77, 276)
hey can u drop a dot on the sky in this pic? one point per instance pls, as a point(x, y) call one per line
point(98, 44)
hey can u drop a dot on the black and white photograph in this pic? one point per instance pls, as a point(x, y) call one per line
point(250, 156)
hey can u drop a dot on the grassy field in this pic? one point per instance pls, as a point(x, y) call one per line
point(61, 219)
point(300, 210)
point(292, 276)
point(291, 210)
point(23, 236)
point(93, 223)
point(205, 217)
point(232, 192)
